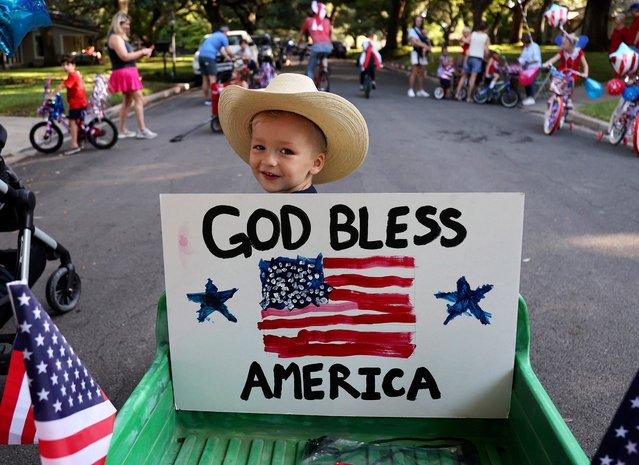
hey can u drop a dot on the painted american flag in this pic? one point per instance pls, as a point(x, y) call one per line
point(50, 397)
point(338, 307)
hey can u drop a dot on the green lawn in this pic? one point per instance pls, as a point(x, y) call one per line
point(600, 110)
point(22, 87)
point(600, 68)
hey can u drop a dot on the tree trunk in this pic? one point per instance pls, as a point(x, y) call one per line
point(595, 24)
point(479, 6)
point(518, 20)
point(48, 48)
point(492, 31)
point(397, 13)
point(213, 14)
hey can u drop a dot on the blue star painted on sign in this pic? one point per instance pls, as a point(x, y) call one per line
point(466, 301)
point(211, 301)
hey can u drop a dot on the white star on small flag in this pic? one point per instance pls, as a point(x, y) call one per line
point(620, 443)
point(36, 406)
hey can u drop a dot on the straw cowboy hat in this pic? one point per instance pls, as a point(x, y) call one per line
point(342, 124)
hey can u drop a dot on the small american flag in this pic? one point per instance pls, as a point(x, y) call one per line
point(50, 397)
point(620, 445)
point(355, 306)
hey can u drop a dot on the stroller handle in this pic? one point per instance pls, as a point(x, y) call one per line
point(20, 197)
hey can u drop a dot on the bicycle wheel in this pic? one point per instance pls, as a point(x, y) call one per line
point(509, 98)
point(617, 126)
point(45, 137)
point(481, 94)
point(324, 84)
point(463, 93)
point(635, 136)
point(367, 85)
point(102, 133)
point(554, 113)
point(439, 93)
point(215, 124)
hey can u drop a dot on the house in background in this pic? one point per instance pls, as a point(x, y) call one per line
point(45, 46)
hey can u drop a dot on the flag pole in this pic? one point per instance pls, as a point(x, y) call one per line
point(523, 15)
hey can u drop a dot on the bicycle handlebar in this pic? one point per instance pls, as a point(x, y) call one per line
point(566, 72)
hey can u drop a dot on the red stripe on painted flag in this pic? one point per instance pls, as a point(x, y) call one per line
point(344, 350)
point(284, 323)
point(365, 298)
point(368, 262)
point(374, 282)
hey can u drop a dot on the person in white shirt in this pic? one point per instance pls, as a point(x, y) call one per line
point(474, 60)
point(530, 58)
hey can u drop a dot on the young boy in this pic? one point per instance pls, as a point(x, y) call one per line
point(76, 98)
point(293, 136)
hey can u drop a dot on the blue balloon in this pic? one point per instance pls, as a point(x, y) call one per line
point(17, 18)
point(594, 89)
point(631, 93)
point(558, 40)
point(583, 41)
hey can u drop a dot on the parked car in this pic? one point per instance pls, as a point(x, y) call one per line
point(264, 45)
point(339, 49)
point(234, 45)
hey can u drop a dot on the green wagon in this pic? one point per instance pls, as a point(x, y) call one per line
point(149, 430)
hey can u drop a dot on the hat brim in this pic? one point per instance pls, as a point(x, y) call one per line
point(343, 125)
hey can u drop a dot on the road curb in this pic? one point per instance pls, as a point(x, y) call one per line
point(112, 112)
point(579, 119)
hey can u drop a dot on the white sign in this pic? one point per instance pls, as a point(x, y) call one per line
point(401, 305)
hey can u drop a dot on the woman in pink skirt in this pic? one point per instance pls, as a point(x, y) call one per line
point(124, 75)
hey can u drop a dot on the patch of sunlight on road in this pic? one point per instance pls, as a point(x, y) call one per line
point(618, 244)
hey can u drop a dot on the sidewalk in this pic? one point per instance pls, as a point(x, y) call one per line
point(18, 127)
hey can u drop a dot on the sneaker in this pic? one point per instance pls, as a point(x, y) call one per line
point(126, 134)
point(570, 105)
point(422, 93)
point(207, 102)
point(373, 85)
point(146, 133)
point(411, 93)
point(72, 151)
point(361, 87)
point(528, 101)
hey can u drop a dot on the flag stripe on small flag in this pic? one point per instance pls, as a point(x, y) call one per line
point(94, 453)
point(375, 301)
point(72, 443)
point(16, 413)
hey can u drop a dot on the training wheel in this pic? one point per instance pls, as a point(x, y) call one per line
point(625, 141)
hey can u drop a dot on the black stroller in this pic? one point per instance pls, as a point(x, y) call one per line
point(34, 248)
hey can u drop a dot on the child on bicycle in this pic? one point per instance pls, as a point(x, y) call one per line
point(369, 60)
point(570, 57)
point(76, 98)
point(445, 71)
point(292, 135)
point(493, 68)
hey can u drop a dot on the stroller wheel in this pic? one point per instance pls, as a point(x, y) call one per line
point(62, 295)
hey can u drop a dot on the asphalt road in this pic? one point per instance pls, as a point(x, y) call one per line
point(581, 239)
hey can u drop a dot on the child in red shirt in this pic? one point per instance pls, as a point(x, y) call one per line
point(76, 98)
point(570, 57)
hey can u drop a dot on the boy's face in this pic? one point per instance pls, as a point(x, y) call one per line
point(68, 67)
point(285, 153)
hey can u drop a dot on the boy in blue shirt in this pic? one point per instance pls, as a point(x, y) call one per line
point(292, 135)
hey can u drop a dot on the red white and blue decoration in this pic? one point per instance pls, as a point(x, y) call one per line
point(49, 396)
point(556, 16)
point(624, 60)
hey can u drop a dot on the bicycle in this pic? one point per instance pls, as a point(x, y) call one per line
point(503, 90)
point(368, 79)
point(624, 121)
point(561, 85)
point(47, 137)
point(322, 80)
